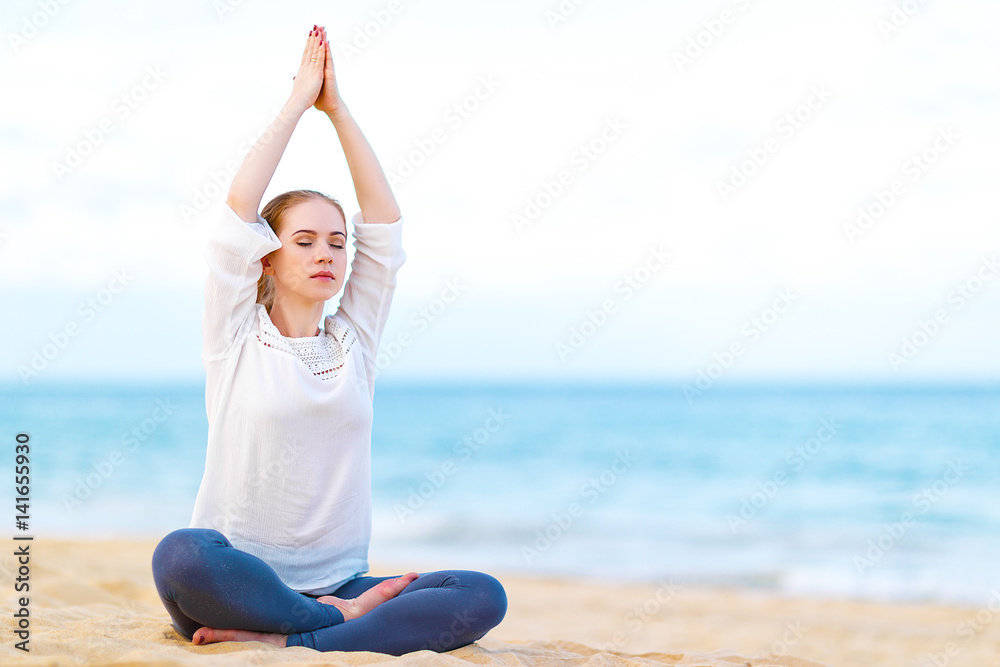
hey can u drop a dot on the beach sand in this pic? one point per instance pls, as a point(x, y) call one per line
point(94, 603)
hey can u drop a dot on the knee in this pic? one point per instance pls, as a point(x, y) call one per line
point(181, 550)
point(488, 603)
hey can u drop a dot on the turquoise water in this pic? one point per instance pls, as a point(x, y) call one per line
point(877, 492)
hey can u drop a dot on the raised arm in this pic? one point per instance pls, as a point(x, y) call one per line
point(250, 182)
point(370, 184)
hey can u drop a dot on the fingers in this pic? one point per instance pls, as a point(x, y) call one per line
point(329, 56)
point(315, 56)
point(313, 41)
point(314, 47)
point(308, 48)
point(324, 58)
point(312, 54)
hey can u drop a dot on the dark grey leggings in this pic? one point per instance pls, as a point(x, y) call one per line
point(203, 580)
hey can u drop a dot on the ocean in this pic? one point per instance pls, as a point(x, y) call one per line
point(882, 492)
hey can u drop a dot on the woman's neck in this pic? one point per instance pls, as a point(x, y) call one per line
point(296, 320)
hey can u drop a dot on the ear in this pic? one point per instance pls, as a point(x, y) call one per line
point(267, 265)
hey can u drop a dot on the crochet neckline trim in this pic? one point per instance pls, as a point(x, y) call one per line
point(324, 354)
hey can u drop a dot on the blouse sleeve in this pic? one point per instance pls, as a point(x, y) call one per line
point(368, 293)
point(233, 253)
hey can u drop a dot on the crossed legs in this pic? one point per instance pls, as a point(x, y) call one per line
point(215, 592)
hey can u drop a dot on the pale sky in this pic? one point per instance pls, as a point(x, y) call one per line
point(807, 111)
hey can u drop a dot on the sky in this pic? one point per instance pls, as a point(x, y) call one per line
point(685, 192)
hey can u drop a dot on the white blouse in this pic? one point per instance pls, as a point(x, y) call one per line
point(288, 466)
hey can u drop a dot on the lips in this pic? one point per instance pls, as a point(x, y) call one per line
point(323, 275)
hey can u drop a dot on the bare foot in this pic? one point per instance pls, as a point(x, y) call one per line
point(373, 597)
point(352, 608)
point(211, 635)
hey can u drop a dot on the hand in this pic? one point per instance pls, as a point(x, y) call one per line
point(329, 97)
point(309, 79)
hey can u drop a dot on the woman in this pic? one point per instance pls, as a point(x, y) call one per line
point(278, 542)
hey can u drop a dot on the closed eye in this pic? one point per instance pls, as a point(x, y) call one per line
point(334, 245)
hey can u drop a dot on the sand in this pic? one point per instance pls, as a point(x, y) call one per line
point(93, 603)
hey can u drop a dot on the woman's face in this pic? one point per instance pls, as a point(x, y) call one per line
point(313, 240)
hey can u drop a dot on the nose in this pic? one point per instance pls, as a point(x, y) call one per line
point(325, 253)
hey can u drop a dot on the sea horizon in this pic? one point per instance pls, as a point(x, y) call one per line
point(857, 489)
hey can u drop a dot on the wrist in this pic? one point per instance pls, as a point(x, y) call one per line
point(293, 109)
point(337, 113)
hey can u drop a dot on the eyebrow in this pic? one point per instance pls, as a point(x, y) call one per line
point(309, 231)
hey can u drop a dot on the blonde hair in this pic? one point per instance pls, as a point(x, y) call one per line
point(274, 213)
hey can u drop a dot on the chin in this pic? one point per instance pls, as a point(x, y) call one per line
point(326, 292)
